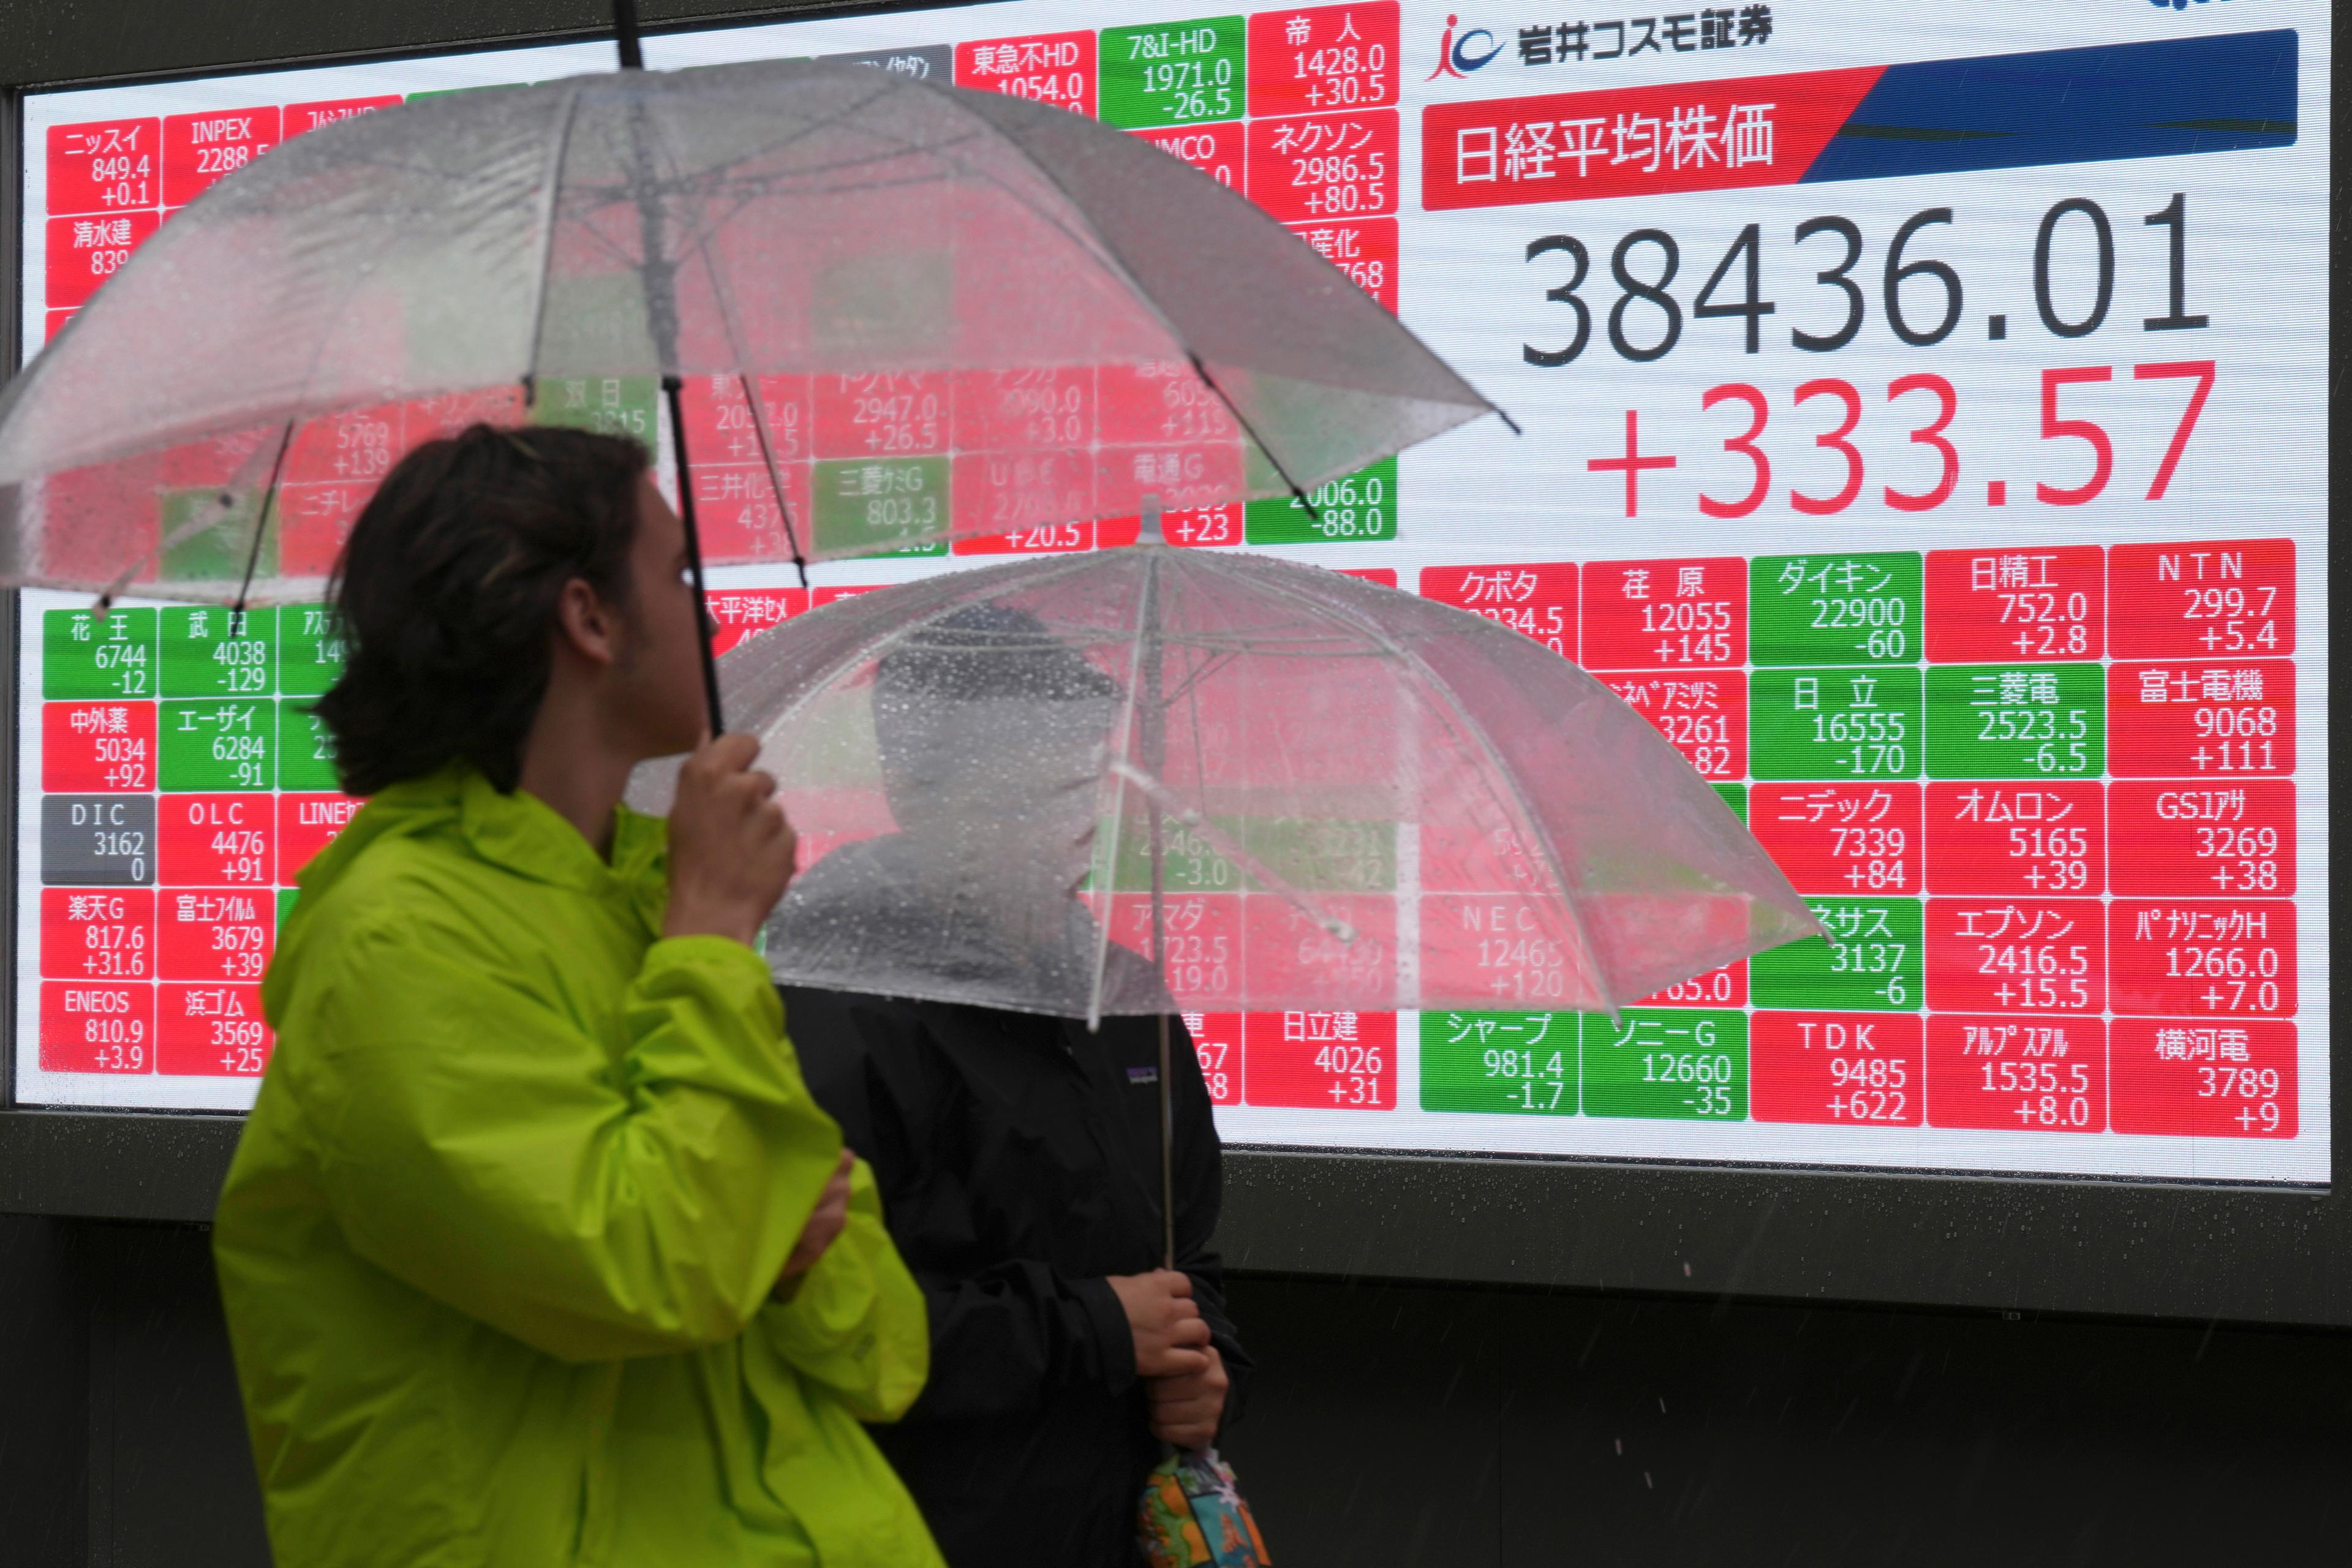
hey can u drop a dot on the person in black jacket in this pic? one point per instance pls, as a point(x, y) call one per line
point(1017, 1153)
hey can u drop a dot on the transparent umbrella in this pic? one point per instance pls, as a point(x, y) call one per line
point(1159, 778)
point(915, 312)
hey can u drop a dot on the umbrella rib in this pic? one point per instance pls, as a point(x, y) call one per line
point(719, 180)
point(1191, 685)
point(196, 525)
point(798, 134)
point(705, 229)
point(1477, 731)
point(1226, 845)
point(1126, 732)
point(877, 649)
point(1568, 895)
point(803, 131)
point(985, 134)
point(754, 187)
point(1122, 273)
point(554, 178)
point(261, 517)
point(1106, 255)
point(1087, 240)
point(1200, 369)
point(586, 226)
point(752, 400)
point(28, 382)
point(1092, 239)
point(713, 180)
point(1289, 648)
point(1200, 751)
point(848, 188)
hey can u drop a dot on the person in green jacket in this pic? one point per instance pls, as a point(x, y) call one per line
point(536, 1250)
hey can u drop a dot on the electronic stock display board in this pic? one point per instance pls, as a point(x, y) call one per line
point(1925, 416)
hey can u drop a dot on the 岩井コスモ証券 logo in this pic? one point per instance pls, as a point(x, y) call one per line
point(1459, 56)
point(1460, 51)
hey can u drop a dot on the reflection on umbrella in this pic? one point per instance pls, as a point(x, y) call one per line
point(1153, 778)
point(1364, 800)
point(987, 734)
point(1021, 318)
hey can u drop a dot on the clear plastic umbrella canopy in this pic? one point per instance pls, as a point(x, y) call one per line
point(911, 311)
point(1086, 785)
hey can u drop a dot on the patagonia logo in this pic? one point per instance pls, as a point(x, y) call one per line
point(1143, 1075)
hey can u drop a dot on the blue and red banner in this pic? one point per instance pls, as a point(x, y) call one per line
point(1994, 112)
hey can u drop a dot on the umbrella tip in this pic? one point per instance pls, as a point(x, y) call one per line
point(1150, 531)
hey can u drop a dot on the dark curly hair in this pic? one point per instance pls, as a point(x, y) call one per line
point(446, 592)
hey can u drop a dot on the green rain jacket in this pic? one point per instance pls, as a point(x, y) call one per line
point(498, 1246)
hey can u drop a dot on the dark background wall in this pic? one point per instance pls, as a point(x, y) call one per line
point(1410, 1426)
point(1391, 1424)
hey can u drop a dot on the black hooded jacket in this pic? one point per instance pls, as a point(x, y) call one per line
point(1018, 1160)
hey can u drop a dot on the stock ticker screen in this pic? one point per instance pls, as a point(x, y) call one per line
point(1926, 428)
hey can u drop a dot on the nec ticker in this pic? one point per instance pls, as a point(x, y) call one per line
point(1924, 429)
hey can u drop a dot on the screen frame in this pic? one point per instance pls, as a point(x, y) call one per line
point(2014, 1243)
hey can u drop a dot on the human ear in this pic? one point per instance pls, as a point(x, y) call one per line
point(586, 625)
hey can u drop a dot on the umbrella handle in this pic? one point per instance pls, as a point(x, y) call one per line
point(625, 35)
point(1167, 1151)
point(672, 386)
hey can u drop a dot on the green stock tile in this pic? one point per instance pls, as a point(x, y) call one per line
point(1875, 962)
point(430, 93)
point(2029, 721)
point(1173, 73)
point(1354, 507)
point(1187, 861)
point(1326, 855)
point(1843, 723)
point(307, 757)
point(221, 552)
point(309, 650)
point(1835, 609)
point(1505, 1064)
point(1680, 1064)
point(219, 743)
point(210, 651)
point(608, 405)
point(88, 654)
point(867, 505)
